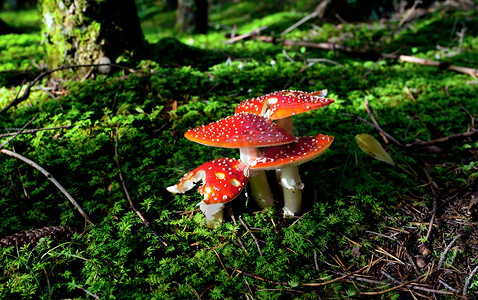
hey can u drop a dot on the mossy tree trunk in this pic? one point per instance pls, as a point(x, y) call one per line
point(83, 31)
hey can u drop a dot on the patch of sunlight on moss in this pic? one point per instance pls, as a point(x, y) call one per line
point(23, 20)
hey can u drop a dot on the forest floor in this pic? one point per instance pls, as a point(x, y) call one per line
point(115, 141)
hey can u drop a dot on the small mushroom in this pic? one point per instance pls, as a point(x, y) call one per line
point(281, 106)
point(288, 156)
point(246, 132)
point(223, 180)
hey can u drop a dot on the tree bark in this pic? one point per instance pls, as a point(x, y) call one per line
point(83, 31)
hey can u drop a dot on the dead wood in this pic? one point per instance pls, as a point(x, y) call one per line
point(26, 93)
point(373, 55)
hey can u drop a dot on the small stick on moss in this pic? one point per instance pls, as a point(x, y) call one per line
point(258, 277)
point(253, 236)
point(131, 204)
point(48, 175)
point(369, 54)
point(468, 280)
point(435, 194)
point(245, 35)
point(18, 99)
point(405, 284)
point(380, 130)
point(335, 279)
point(443, 255)
point(448, 287)
point(443, 139)
point(402, 288)
point(19, 132)
point(370, 114)
point(33, 131)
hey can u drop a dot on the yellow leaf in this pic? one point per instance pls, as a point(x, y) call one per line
point(371, 146)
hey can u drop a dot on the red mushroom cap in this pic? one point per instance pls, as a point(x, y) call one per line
point(223, 180)
point(240, 130)
point(307, 148)
point(283, 104)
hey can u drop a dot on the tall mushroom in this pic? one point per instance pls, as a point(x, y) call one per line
point(223, 180)
point(281, 106)
point(246, 132)
point(287, 156)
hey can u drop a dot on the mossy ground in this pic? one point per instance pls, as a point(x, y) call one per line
point(358, 211)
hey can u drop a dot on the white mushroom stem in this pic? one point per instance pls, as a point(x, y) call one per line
point(292, 188)
point(213, 213)
point(260, 189)
point(290, 179)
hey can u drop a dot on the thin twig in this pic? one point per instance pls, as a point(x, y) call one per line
point(18, 99)
point(409, 13)
point(50, 177)
point(468, 280)
point(376, 127)
point(33, 130)
point(19, 132)
point(137, 212)
point(259, 278)
point(370, 114)
point(415, 287)
point(333, 280)
point(245, 35)
point(253, 236)
point(370, 54)
point(389, 277)
point(405, 284)
point(443, 255)
point(314, 14)
point(435, 194)
point(448, 287)
point(442, 140)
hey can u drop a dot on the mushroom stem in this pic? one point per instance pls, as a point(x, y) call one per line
point(290, 178)
point(292, 188)
point(260, 189)
point(213, 213)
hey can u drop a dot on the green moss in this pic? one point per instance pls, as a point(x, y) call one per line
point(347, 193)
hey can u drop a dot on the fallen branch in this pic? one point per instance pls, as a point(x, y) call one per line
point(24, 96)
point(417, 143)
point(373, 55)
point(131, 204)
point(443, 255)
point(33, 131)
point(19, 132)
point(50, 177)
point(468, 280)
point(382, 132)
point(420, 143)
point(245, 35)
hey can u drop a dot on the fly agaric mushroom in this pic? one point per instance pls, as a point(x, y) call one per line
point(223, 180)
point(286, 156)
point(246, 132)
point(281, 106)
